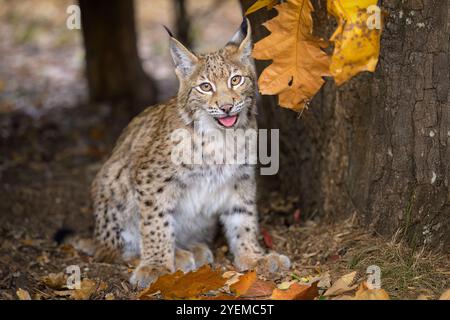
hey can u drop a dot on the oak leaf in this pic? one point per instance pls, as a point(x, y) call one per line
point(186, 286)
point(356, 45)
point(298, 60)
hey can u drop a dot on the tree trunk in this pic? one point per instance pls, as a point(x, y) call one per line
point(182, 22)
point(113, 68)
point(378, 146)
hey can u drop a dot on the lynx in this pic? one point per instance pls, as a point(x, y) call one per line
point(167, 214)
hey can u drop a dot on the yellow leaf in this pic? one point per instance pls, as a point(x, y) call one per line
point(259, 4)
point(286, 285)
point(298, 61)
point(356, 46)
point(364, 293)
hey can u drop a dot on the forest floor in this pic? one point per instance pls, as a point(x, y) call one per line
point(52, 144)
point(47, 167)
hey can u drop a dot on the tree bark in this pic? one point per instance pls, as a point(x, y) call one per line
point(378, 146)
point(113, 67)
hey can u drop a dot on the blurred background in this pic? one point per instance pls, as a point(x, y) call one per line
point(42, 65)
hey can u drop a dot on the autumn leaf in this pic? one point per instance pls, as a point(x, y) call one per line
point(184, 286)
point(259, 4)
point(23, 294)
point(445, 295)
point(298, 61)
point(55, 280)
point(232, 277)
point(87, 288)
point(296, 291)
point(342, 285)
point(365, 293)
point(259, 290)
point(356, 46)
point(245, 282)
point(268, 240)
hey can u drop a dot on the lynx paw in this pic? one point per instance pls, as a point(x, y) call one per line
point(145, 275)
point(184, 260)
point(202, 255)
point(268, 264)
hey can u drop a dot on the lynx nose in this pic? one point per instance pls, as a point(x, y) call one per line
point(226, 107)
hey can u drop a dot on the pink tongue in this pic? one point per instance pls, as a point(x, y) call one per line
point(228, 121)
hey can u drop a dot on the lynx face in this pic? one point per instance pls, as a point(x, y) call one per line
point(217, 90)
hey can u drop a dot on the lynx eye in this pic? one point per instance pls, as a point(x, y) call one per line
point(236, 80)
point(205, 87)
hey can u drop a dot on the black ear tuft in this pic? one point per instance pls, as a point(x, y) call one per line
point(244, 27)
point(168, 31)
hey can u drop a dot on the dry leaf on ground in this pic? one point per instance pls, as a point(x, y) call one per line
point(296, 292)
point(259, 290)
point(356, 46)
point(445, 295)
point(232, 277)
point(184, 286)
point(267, 238)
point(87, 289)
point(23, 294)
point(342, 285)
point(364, 293)
point(245, 282)
point(55, 281)
point(298, 60)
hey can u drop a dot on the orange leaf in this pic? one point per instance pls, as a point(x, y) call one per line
point(245, 282)
point(298, 61)
point(259, 290)
point(364, 293)
point(296, 292)
point(183, 286)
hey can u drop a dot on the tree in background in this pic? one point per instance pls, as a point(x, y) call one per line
point(113, 67)
point(182, 22)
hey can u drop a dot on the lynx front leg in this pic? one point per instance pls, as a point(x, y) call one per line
point(241, 227)
point(157, 245)
point(157, 241)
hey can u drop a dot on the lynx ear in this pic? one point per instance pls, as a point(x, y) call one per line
point(243, 39)
point(184, 59)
